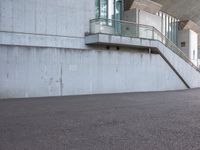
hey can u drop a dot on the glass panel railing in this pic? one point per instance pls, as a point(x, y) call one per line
point(131, 29)
point(114, 27)
point(145, 32)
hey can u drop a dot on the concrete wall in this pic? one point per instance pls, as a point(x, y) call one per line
point(33, 72)
point(143, 17)
point(183, 36)
point(187, 72)
point(57, 17)
point(49, 23)
point(149, 19)
point(131, 15)
point(191, 44)
point(43, 53)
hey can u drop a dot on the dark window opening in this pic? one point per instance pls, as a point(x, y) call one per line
point(183, 44)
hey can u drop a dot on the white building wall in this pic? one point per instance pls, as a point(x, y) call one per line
point(25, 22)
point(131, 15)
point(183, 37)
point(143, 17)
point(34, 72)
point(191, 44)
point(43, 53)
point(149, 19)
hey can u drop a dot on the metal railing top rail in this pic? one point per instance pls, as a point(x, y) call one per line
point(121, 21)
point(162, 38)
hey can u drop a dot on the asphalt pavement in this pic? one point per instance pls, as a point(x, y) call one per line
point(130, 121)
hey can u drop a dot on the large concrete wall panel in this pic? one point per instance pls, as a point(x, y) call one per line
point(34, 72)
point(63, 17)
point(6, 15)
point(29, 16)
point(18, 14)
point(45, 23)
point(40, 17)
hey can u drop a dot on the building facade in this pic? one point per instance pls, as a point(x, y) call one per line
point(55, 48)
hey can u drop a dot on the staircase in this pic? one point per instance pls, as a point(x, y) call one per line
point(174, 57)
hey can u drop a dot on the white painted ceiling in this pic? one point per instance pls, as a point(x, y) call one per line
point(181, 9)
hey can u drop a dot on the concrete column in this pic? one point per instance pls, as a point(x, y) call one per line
point(188, 43)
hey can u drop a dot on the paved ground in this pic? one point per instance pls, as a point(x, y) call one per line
point(135, 121)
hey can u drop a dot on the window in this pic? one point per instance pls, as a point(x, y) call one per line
point(108, 9)
point(111, 9)
point(118, 9)
point(97, 8)
point(183, 44)
point(103, 8)
point(169, 26)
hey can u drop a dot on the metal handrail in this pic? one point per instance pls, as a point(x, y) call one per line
point(121, 21)
point(161, 38)
point(176, 50)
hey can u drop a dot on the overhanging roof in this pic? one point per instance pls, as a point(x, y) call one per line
point(146, 5)
point(181, 9)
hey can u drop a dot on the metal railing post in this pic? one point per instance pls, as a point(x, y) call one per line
point(153, 33)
